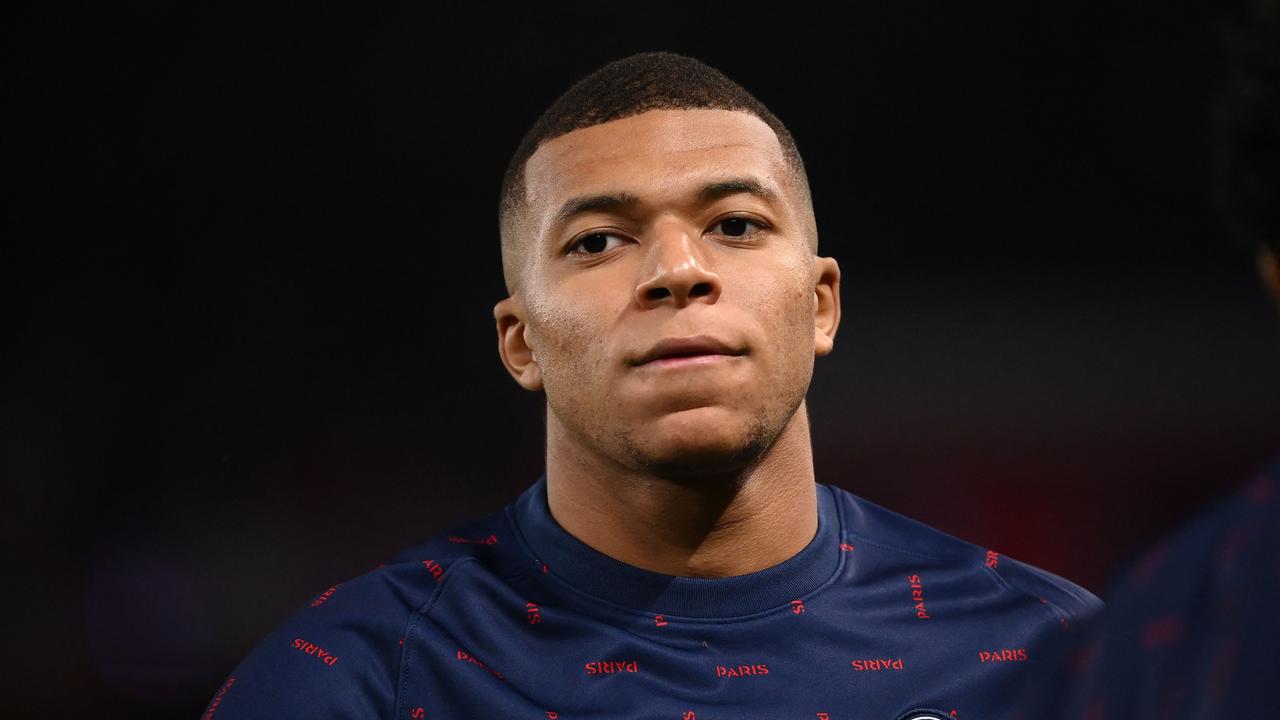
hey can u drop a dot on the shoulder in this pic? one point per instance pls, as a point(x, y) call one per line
point(334, 657)
point(338, 656)
point(914, 542)
point(1206, 551)
point(1191, 619)
point(1202, 595)
point(1187, 578)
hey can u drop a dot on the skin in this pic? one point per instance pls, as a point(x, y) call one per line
point(1269, 269)
point(700, 467)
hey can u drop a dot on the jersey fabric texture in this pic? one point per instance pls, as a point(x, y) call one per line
point(1190, 631)
point(879, 617)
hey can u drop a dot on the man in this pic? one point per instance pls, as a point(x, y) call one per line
point(1190, 631)
point(677, 559)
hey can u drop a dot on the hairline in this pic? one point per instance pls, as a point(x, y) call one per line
point(513, 219)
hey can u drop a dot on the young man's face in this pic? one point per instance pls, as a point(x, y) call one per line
point(674, 331)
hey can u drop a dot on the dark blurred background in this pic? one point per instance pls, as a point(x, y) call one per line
point(250, 258)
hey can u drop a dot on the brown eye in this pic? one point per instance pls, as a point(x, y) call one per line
point(737, 226)
point(594, 244)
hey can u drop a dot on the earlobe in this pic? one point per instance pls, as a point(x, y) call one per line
point(826, 313)
point(513, 344)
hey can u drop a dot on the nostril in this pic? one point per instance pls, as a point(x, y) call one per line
point(700, 289)
point(658, 293)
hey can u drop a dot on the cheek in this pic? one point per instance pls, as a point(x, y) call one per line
point(569, 348)
point(791, 326)
point(784, 302)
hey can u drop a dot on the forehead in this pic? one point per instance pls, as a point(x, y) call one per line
point(655, 155)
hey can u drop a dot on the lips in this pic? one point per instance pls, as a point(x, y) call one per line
point(694, 346)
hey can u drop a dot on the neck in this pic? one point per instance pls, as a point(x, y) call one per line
point(716, 526)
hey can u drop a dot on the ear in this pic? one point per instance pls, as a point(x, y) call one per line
point(513, 345)
point(826, 313)
point(1269, 269)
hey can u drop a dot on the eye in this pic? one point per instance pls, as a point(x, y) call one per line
point(595, 243)
point(738, 226)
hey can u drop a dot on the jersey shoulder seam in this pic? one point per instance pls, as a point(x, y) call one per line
point(894, 548)
point(412, 620)
point(1056, 609)
point(950, 547)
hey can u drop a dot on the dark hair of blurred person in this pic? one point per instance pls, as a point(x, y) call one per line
point(1190, 631)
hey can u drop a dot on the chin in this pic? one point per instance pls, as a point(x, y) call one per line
point(701, 441)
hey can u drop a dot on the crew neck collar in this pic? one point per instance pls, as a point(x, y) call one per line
point(569, 560)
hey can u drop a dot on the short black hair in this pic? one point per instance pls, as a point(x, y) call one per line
point(629, 86)
point(1246, 143)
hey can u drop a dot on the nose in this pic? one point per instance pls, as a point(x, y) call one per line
point(677, 271)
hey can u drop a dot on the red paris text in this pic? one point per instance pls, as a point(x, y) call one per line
point(608, 667)
point(917, 596)
point(465, 656)
point(1004, 655)
point(877, 664)
point(742, 670)
point(315, 651)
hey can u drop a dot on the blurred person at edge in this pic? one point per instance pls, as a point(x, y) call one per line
point(1190, 631)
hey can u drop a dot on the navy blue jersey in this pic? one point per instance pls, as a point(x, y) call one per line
point(1189, 632)
point(510, 616)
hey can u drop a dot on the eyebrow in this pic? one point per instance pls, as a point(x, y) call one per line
point(622, 201)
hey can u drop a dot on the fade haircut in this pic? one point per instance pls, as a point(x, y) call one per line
point(622, 88)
